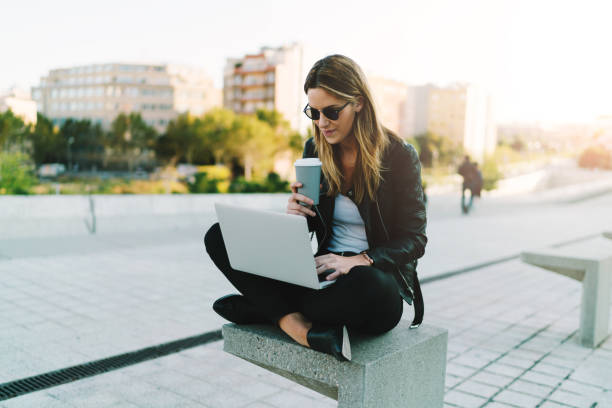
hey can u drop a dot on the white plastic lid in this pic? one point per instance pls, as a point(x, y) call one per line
point(311, 161)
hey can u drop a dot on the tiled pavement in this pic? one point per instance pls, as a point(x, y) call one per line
point(512, 333)
point(504, 351)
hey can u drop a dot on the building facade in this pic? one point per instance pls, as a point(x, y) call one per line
point(271, 79)
point(390, 97)
point(462, 113)
point(20, 103)
point(100, 92)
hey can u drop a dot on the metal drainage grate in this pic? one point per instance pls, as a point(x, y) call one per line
point(66, 375)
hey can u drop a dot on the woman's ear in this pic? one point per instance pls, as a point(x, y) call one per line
point(358, 104)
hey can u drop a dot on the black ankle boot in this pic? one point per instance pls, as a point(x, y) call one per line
point(237, 309)
point(330, 340)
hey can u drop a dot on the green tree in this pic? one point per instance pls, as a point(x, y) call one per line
point(253, 145)
point(273, 118)
point(180, 140)
point(490, 173)
point(426, 148)
point(48, 145)
point(84, 141)
point(436, 150)
point(13, 132)
point(289, 138)
point(246, 143)
point(214, 129)
point(130, 140)
point(16, 173)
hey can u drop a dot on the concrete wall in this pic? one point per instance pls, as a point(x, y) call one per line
point(42, 216)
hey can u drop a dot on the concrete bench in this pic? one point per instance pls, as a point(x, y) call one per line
point(402, 368)
point(590, 262)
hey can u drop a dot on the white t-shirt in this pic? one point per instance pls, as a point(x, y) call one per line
point(348, 230)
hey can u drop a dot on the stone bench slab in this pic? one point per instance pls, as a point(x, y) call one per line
point(590, 262)
point(402, 368)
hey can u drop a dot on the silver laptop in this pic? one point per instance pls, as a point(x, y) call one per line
point(270, 244)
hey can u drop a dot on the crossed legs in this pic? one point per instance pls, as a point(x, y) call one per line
point(366, 299)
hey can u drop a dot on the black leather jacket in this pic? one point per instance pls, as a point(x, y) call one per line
point(395, 222)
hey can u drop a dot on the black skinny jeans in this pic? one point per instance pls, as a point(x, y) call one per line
point(366, 299)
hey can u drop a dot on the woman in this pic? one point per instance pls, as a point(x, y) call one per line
point(370, 224)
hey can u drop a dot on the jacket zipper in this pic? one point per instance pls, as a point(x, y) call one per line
point(324, 229)
point(382, 221)
point(388, 238)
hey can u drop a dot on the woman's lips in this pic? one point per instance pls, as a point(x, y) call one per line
point(328, 132)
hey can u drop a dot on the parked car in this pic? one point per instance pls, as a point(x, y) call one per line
point(51, 169)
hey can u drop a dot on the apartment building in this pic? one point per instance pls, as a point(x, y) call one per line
point(390, 98)
point(273, 78)
point(461, 112)
point(100, 92)
point(20, 103)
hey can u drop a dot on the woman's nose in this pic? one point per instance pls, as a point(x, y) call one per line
point(323, 121)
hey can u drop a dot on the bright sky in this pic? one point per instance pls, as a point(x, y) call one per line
point(542, 60)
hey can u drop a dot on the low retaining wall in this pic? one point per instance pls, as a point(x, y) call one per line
point(40, 216)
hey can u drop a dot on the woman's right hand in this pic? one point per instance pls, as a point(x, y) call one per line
point(294, 207)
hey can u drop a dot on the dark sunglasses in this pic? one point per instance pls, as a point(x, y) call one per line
point(330, 113)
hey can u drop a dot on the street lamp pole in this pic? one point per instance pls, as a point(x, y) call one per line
point(70, 141)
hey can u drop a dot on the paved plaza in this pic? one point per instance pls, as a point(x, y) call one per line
point(512, 327)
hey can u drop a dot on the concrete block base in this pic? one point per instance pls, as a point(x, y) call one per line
point(402, 368)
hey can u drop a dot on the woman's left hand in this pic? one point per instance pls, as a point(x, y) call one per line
point(340, 264)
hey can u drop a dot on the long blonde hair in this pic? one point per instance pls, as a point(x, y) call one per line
point(342, 77)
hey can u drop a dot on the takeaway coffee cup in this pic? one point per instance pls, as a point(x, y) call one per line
point(308, 172)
